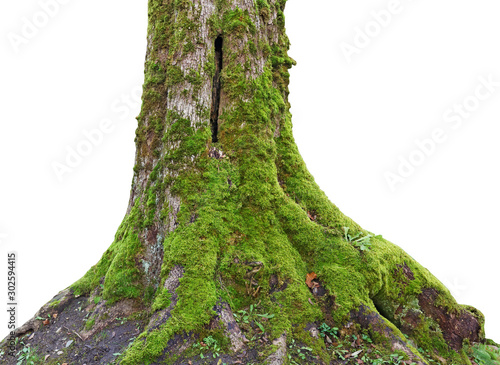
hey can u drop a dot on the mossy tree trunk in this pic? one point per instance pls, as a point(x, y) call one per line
point(225, 222)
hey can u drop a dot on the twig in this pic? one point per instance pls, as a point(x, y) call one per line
point(76, 333)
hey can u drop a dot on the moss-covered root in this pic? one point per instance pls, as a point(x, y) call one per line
point(251, 294)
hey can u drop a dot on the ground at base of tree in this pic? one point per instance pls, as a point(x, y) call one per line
point(64, 332)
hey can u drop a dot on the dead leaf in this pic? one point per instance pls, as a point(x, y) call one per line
point(32, 335)
point(46, 357)
point(310, 301)
point(46, 322)
point(309, 278)
point(65, 363)
point(54, 315)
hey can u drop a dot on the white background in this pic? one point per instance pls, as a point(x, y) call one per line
point(352, 120)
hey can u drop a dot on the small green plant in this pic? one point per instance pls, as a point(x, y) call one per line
point(119, 355)
point(485, 355)
point(366, 359)
point(396, 359)
point(28, 356)
point(247, 317)
point(427, 356)
point(122, 320)
point(339, 352)
point(244, 316)
point(326, 330)
point(361, 242)
point(300, 352)
point(209, 344)
point(97, 300)
point(366, 338)
point(43, 318)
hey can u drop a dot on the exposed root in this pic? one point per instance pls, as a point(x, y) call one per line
point(171, 284)
point(232, 330)
point(278, 358)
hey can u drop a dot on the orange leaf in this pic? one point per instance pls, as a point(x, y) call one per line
point(309, 278)
point(54, 315)
point(46, 322)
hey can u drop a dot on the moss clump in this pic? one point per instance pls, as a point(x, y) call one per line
point(55, 303)
point(118, 267)
point(90, 323)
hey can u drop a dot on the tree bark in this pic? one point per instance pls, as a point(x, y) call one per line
point(225, 223)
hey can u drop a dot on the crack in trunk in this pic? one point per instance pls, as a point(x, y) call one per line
point(214, 113)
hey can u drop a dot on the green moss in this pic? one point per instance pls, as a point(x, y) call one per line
point(189, 47)
point(154, 74)
point(89, 324)
point(174, 75)
point(162, 300)
point(117, 266)
point(123, 276)
point(238, 22)
point(55, 303)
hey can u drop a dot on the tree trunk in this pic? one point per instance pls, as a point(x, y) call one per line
point(229, 251)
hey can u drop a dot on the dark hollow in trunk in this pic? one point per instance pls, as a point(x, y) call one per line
point(214, 114)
